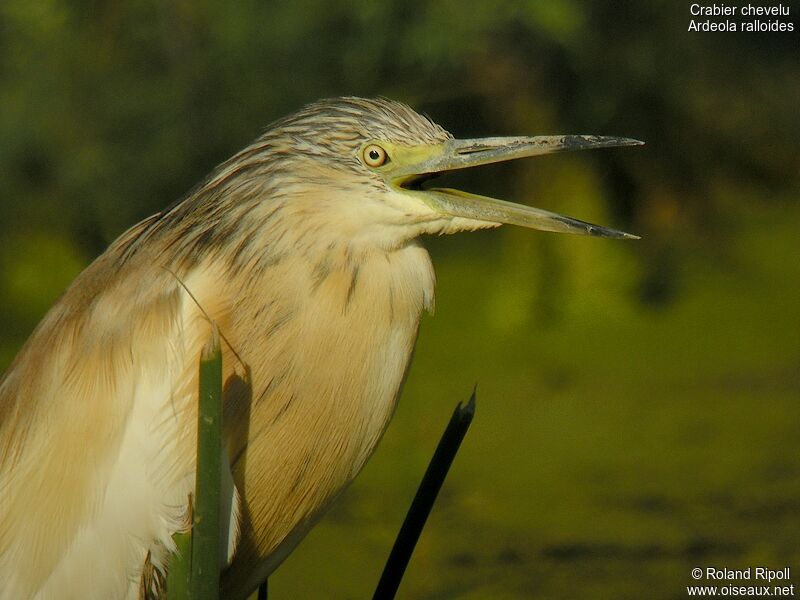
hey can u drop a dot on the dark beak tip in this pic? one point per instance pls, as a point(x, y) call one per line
point(623, 235)
point(628, 142)
point(589, 142)
point(612, 233)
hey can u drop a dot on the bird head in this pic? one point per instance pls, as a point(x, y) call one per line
point(375, 155)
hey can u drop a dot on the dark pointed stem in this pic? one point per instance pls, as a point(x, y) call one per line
point(423, 502)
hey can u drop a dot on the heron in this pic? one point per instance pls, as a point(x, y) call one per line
point(303, 249)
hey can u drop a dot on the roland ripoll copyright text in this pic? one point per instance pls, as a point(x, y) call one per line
point(750, 582)
point(750, 18)
point(750, 573)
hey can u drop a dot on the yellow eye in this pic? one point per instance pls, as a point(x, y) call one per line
point(374, 155)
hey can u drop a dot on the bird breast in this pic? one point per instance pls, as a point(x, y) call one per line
point(319, 350)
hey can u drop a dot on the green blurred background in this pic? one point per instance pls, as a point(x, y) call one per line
point(637, 401)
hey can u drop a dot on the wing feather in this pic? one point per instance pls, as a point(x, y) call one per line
point(93, 413)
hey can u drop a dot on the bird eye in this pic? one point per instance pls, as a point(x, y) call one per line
point(374, 155)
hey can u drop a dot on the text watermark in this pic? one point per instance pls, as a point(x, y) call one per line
point(748, 582)
point(750, 18)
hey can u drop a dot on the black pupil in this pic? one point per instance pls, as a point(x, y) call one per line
point(374, 154)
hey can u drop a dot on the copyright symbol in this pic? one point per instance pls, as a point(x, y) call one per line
point(697, 573)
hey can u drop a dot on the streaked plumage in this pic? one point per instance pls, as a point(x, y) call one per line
point(308, 261)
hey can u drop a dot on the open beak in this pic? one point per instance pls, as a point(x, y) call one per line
point(421, 163)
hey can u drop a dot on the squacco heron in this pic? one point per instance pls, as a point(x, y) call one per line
point(303, 248)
